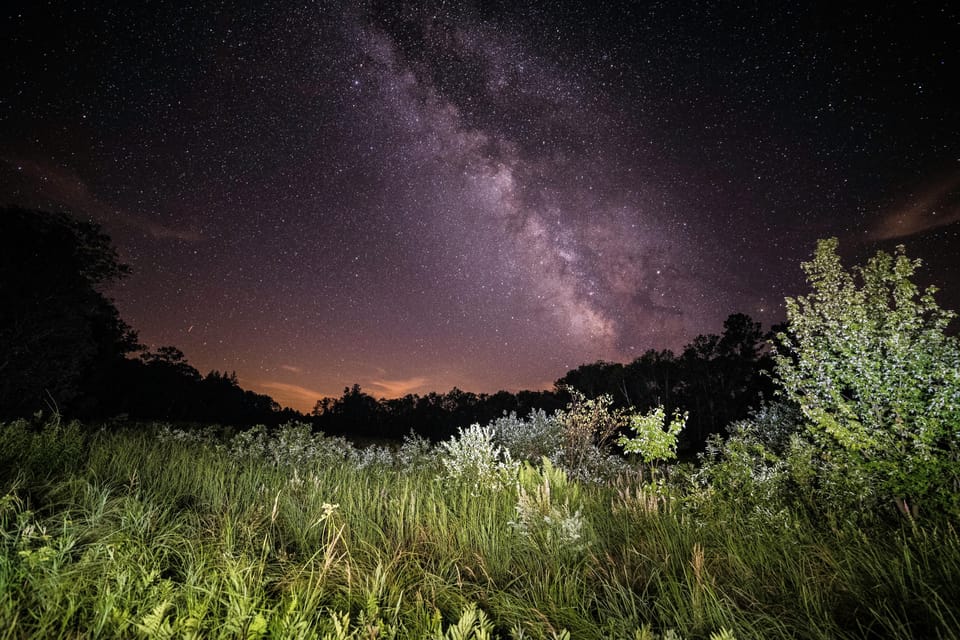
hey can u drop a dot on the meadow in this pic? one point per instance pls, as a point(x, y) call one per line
point(157, 532)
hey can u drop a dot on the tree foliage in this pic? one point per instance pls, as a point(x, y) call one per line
point(655, 439)
point(64, 346)
point(717, 378)
point(868, 361)
point(61, 336)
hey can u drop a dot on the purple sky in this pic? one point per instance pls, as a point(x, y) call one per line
point(434, 195)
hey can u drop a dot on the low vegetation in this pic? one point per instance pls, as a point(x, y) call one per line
point(830, 513)
point(160, 533)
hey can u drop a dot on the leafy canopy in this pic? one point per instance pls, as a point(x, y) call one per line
point(59, 333)
point(655, 439)
point(868, 362)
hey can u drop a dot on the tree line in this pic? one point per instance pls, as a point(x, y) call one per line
point(716, 379)
point(64, 347)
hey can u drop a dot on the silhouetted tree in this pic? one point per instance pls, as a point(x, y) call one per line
point(651, 379)
point(355, 413)
point(594, 379)
point(435, 416)
point(63, 344)
point(717, 378)
point(172, 360)
point(62, 341)
point(162, 385)
point(723, 377)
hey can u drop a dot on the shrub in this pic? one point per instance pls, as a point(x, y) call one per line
point(586, 430)
point(473, 458)
point(655, 439)
point(576, 440)
point(531, 439)
point(869, 364)
point(742, 473)
point(415, 452)
point(768, 464)
point(293, 444)
point(371, 456)
point(588, 423)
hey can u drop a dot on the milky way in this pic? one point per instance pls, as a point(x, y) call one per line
point(415, 197)
point(549, 238)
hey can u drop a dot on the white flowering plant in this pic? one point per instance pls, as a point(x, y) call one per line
point(473, 458)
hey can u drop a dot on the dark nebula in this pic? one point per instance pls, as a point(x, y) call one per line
point(415, 197)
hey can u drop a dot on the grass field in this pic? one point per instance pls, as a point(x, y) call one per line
point(150, 532)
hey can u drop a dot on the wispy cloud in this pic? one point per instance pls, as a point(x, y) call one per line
point(936, 206)
point(48, 184)
point(291, 368)
point(396, 388)
point(291, 395)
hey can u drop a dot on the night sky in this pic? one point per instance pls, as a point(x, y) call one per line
point(481, 195)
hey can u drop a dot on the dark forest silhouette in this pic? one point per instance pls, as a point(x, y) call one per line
point(717, 378)
point(64, 347)
point(62, 339)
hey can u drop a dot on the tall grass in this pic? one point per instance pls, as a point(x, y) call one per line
point(128, 534)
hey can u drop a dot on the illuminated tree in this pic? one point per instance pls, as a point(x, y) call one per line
point(655, 438)
point(869, 363)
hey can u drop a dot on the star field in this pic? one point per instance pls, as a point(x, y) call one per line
point(420, 196)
